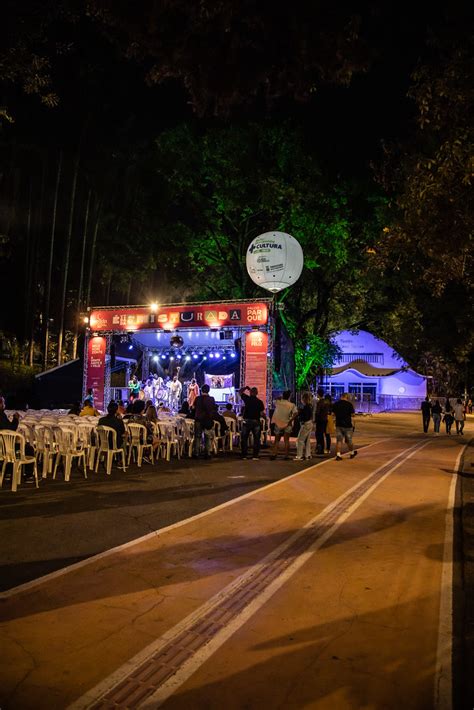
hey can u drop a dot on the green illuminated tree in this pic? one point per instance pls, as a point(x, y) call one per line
point(222, 188)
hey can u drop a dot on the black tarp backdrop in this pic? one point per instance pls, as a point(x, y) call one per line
point(60, 387)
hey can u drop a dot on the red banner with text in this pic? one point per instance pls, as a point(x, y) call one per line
point(96, 349)
point(256, 362)
point(174, 317)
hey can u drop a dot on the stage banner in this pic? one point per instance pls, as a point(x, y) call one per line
point(175, 317)
point(218, 381)
point(256, 362)
point(96, 350)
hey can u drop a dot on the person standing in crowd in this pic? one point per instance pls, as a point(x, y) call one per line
point(112, 420)
point(469, 405)
point(193, 392)
point(426, 413)
point(436, 412)
point(305, 415)
point(448, 416)
point(344, 411)
point(321, 420)
point(330, 427)
point(283, 416)
point(254, 409)
point(204, 408)
point(459, 416)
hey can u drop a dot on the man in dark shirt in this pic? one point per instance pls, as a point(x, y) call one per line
point(426, 414)
point(344, 411)
point(204, 410)
point(253, 410)
point(114, 422)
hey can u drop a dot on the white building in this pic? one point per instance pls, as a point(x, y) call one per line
point(376, 376)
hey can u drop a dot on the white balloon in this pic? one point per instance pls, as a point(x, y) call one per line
point(274, 261)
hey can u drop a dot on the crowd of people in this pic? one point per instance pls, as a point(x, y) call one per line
point(446, 413)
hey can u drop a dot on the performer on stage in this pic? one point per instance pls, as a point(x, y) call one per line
point(148, 389)
point(157, 388)
point(134, 387)
point(175, 389)
point(193, 392)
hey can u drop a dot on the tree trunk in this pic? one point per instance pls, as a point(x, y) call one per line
point(66, 260)
point(81, 276)
point(91, 264)
point(50, 263)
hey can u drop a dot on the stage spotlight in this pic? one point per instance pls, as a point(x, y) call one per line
point(178, 357)
point(163, 357)
point(155, 358)
point(130, 347)
point(217, 355)
point(211, 354)
point(153, 307)
point(195, 357)
point(233, 355)
point(188, 357)
point(171, 358)
point(224, 357)
point(205, 357)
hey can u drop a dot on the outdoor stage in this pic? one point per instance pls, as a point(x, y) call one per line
point(225, 344)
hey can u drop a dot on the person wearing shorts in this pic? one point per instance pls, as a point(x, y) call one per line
point(283, 417)
point(344, 411)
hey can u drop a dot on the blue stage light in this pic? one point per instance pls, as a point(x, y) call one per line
point(211, 354)
point(217, 355)
point(178, 357)
point(130, 347)
point(195, 357)
point(205, 357)
point(163, 357)
point(233, 355)
point(188, 357)
point(224, 357)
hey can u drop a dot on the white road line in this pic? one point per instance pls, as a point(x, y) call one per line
point(189, 667)
point(156, 533)
point(443, 690)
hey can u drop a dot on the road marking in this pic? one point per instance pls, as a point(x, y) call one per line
point(155, 673)
point(156, 533)
point(443, 690)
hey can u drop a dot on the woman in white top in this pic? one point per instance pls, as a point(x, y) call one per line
point(283, 416)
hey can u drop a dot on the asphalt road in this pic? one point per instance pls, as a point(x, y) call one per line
point(352, 607)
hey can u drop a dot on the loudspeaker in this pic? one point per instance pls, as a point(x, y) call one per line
point(225, 335)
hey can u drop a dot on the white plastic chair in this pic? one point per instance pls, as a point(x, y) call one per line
point(108, 448)
point(168, 439)
point(84, 435)
point(45, 448)
point(68, 449)
point(218, 438)
point(13, 451)
point(137, 441)
point(234, 435)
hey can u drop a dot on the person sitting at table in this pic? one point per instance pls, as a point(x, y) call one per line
point(184, 409)
point(121, 407)
point(88, 410)
point(75, 409)
point(137, 417)
point(112, 420)
point(229, 413)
